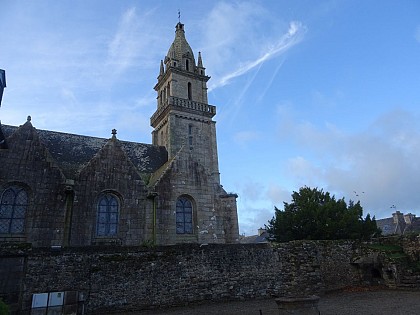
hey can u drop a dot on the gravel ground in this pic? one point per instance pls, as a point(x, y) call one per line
point(350, 302)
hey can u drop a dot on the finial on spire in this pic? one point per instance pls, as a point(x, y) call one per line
point(29, 118)
point(114, 133)
point(200, 61)
point(161, 71)
point(179, 16)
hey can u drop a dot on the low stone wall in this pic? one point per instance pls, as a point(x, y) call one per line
point(123, 278)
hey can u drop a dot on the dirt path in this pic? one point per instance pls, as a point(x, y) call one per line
point(383, 302)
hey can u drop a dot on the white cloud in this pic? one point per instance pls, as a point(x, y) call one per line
point(293, 36)
point(123, 48)
point(251, 218)
point(234, 46)
point(278, 194)
point(244, 137)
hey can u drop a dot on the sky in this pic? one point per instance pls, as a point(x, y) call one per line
point(321, 94)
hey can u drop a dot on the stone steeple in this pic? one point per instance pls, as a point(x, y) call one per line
point(183, 117)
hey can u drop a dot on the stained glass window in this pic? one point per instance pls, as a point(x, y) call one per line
point(13, 204)
point(184, 216)
point(107, 222)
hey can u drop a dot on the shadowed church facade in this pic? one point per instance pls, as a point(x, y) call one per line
point(59, 189)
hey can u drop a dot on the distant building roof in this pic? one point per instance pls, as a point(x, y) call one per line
point(399, 224)
point(262, 237)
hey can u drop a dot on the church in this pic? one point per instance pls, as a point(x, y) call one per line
point(60, 190)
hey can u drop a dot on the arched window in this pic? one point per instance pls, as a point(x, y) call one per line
point(187, 64)
point(107, 222)
point(189, 91)
point(168, 90)
point(184, 216)
point(13, 204)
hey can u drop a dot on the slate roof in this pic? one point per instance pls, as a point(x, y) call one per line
point(72, 152)
point(263, 238)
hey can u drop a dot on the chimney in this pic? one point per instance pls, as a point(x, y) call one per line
point(261, 231)
point(398, 217)
point(408, 218)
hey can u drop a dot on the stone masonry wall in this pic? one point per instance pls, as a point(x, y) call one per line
point(124, 278)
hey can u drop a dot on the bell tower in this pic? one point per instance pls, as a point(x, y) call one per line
point(183, 118)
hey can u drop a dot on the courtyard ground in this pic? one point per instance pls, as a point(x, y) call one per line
point(347, 302)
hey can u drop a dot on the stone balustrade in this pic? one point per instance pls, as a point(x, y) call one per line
point(201, 108)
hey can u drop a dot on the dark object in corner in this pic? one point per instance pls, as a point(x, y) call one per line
point(2, 83)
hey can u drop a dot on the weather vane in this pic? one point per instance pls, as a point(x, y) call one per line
point(179, 16)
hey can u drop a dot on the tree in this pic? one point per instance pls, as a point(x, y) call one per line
point(316, 215)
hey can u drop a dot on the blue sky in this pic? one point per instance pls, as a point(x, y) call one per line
point(318, 93)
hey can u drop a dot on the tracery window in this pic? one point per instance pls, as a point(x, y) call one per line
point(184, 216)
point(13, 204)
point(107, 221)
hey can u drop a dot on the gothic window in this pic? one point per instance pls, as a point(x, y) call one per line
point(13, 204)
point(184, 216)
point(107, 221)
point(189, 91)
point(187, 65)
point(168, 90)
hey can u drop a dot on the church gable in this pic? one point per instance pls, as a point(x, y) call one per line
point(110, 166)
point(111, 200)
point(25, 152)
point(28, 170)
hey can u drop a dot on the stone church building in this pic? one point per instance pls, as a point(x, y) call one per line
point(59, 189)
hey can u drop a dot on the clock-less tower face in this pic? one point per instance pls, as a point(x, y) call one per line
point(183, 118)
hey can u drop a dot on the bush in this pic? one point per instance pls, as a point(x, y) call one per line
point(4, 309)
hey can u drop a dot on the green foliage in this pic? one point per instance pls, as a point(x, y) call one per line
point(316, 215)
point(393, 252)
point(386, 248)
point(4, 309)
point(148, 243)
